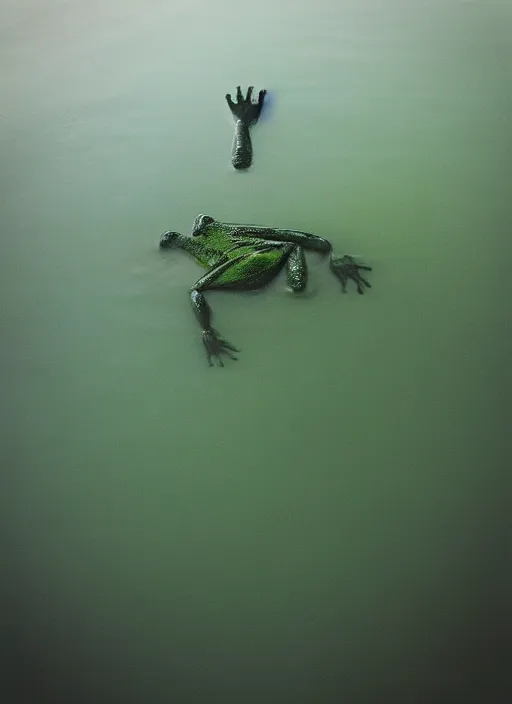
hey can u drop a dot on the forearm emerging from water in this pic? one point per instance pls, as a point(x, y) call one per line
point(241, 155)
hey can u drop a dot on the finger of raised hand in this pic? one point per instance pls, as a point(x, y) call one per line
point(228, 345)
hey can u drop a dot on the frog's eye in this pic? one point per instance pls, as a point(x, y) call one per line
point(200, 223)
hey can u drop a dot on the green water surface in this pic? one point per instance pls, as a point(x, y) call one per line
point(318, 522)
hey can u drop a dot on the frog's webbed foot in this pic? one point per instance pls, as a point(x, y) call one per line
point(345, 268)
point(216, 345)
point(244, 109)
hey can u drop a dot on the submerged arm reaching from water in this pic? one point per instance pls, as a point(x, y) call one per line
point(246, 113)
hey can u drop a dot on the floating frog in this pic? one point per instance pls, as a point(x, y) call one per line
point(246, 113)
point(247, 257)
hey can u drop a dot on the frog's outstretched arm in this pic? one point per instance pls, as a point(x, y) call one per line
point(304, 239)
point(246, 113)
point(204, 224)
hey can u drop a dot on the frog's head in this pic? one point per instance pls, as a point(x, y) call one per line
point(169, 239)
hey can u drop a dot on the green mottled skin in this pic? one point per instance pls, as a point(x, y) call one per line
point(247, 257)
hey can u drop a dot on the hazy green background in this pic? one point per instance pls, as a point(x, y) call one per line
point(319, 522)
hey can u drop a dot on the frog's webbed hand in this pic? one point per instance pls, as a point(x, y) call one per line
point(246, 113)
point(244, 109)
point(216, 345)
point(345, 268)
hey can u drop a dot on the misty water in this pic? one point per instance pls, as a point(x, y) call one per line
point(316, 522)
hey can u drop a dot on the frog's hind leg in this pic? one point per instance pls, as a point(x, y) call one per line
point(345, 268)
point(245, 271)
point(213, 343)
